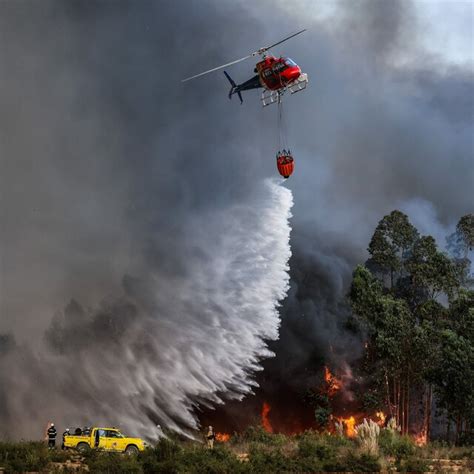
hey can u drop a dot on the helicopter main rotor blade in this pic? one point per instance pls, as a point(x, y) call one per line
point(259, 51)
point(217, 68)
point(266, 48)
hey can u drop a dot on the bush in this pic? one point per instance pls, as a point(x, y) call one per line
point(392, 444)
point(254, 434)
point(59, 455)
point(265, 461)
point(197, 459)
point(364, 462)
point(166, 449)
point(368, 434)
point(316, 447)
point(413, 464)
point(113, 463)
point(21, 457)
point(337, 441)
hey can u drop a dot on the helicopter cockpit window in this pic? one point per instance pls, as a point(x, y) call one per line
point(290, 62)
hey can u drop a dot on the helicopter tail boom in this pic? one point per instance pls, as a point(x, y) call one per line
point(253, 83)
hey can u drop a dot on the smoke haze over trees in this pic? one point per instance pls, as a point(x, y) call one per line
point(122, 189)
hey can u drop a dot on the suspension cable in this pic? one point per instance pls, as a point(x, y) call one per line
point(282, 142)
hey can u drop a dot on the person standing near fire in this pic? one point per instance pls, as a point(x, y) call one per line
point(66, 433)
point(52, 436)
point(210, 437)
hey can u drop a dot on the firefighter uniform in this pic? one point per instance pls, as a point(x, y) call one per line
point(52, 436)
point(210, 437)
point(66, 433)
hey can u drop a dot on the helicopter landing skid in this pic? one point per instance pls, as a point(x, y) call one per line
point(273, 97)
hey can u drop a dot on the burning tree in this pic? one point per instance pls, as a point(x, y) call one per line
point(267, 426)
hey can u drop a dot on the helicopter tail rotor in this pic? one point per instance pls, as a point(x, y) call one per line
point(234, 88)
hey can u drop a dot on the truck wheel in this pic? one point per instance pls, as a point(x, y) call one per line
point(131, 450)
point(83, 447)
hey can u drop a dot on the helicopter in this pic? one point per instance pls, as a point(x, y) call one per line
point(275, 75)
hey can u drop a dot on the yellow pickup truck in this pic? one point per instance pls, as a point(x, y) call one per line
point(108, 439)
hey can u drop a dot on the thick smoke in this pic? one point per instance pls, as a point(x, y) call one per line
point(111, 167)
point(168, 343)
point(383, 125)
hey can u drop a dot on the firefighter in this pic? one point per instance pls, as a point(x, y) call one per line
point(210, 437)
point(160, 431)
point(52, 436)
point(66, 433)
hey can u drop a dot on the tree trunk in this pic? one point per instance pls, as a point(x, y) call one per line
point(387, 386)
point(458, 428)
point(429, 402)
point(395, 400)
point(402, 406)
point(407, 416)
point(399, 405)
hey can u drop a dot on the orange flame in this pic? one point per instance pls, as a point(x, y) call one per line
point(381, 418)
point(334, 384)
point(267, 426)
point(349, 425)
point(421, 438)
point(222, 437)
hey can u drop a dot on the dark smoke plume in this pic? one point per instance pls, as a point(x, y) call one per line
point(143, 200)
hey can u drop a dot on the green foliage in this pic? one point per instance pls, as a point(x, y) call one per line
point(413, 464)
point(322, 414)
point(197, 459)
point(413, 339)
point(465, 229)
point(166, 449)
point(322, 407)
point(431, 270)
point(453, 375)
point(372, 400)
point(314, 446)
point(114, 463)
point(393, 239)
point(392, 444)
point(462, 314)
point(254, 433)
point(364, 462)
point(308, 452)
point(364, 293)
point(459, 244)
point(23, 457)
point(269, 461)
